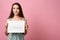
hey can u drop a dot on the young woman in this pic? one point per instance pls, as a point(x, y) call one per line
point(16, 14)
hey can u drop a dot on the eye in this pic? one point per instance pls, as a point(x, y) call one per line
point(13, 8)
point(17, 8)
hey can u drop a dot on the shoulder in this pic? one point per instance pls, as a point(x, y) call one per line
point(25, 19)
point(6, 22)
point(8, 19)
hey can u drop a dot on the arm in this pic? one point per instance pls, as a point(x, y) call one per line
point(6, 25)
point(26, 27)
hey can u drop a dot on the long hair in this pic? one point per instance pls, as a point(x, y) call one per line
point(20, 11)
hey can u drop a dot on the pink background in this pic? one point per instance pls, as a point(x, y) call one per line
point(43, 17)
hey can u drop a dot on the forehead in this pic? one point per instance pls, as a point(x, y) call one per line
point(15, 6)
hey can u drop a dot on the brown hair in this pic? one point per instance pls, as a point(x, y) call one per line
point(20, 11)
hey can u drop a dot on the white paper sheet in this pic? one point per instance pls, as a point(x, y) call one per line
point(16, 26)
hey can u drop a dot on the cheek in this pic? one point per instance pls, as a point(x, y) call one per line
point(18, 10)
point(14, 10)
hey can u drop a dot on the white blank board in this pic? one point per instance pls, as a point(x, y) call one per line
point(16, 26)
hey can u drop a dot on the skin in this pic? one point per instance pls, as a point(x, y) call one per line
point(16, 17)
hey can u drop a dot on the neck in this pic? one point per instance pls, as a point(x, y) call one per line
point(15, 16)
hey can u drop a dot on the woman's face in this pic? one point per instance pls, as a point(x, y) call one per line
point(15, 9)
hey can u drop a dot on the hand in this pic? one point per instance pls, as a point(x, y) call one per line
point(6, 33)
point(25, 32)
